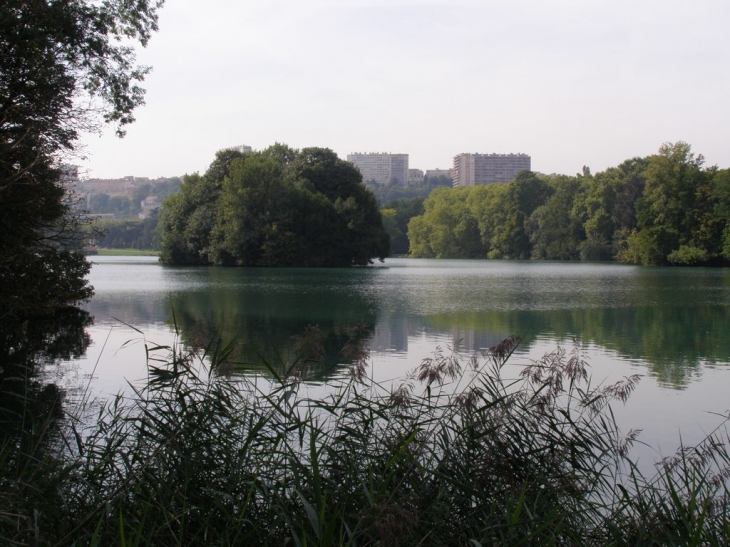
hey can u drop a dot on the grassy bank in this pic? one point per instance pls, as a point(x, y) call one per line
point(127, 252)
point(462, 452)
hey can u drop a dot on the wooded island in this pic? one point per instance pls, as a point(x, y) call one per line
point(278, 207)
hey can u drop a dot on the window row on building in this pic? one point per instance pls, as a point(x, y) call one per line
point(473, 169)
point(468, 169)
point(381, 168)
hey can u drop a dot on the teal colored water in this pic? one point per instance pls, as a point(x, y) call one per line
point(671, 325)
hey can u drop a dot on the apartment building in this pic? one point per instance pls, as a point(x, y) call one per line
point(242, 148)
point(415, 177)
point(381, 168)
point(473, 169)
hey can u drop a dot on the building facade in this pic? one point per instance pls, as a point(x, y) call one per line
point(149, 204)
point(242, 148)
point(415, 177)
point(473, 169)
point(381, 168)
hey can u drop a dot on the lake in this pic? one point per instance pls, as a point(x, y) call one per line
point(671, 325)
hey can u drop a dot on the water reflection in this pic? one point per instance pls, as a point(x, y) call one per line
point(264, 310)
point(25, 348)
point(672, 321)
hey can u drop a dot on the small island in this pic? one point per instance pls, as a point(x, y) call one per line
point(277, 207)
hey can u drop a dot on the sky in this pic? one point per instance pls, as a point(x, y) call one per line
point(569, 82)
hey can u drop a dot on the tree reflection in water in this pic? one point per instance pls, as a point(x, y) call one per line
point(29, 407)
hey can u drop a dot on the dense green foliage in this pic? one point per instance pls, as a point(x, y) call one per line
point(278, 207)
point(663, 209)
point(119, 206)
point(128, 207)
point(385, 193)
point(62, 63)
point(129, 234)
point(396, 216)
point(197, 458)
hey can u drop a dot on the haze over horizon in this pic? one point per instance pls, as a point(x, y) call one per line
point(570, 83)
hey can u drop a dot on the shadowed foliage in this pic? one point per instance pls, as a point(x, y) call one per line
point(62, 67)
point(278, 207)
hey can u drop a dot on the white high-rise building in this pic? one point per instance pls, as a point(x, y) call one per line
point(381, 167)
point(473, 169)
point(242, 148)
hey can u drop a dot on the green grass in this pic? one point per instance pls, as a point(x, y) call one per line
point(127, 252)
point(462, 452)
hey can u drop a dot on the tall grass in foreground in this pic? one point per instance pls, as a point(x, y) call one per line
point(457, 454)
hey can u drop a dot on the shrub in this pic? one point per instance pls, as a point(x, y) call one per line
point(688, 256)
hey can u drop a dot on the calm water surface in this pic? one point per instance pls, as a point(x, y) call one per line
point(671, 325)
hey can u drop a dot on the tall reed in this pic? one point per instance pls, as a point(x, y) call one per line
point(458, 453)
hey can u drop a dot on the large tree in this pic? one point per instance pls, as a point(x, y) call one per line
point(278, 207)
point(555, 232)
point(677, 215)
point(447, 228)
point(65, 65)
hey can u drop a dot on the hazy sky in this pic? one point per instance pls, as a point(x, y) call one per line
point(570, 82)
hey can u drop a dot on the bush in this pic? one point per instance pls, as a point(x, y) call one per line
point(687, 256)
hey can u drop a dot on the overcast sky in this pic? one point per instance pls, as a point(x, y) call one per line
point(569, 82)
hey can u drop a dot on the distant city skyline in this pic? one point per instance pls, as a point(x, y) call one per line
point(573, 83)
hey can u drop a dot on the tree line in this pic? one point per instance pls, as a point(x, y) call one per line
point(130, 206)
point(385, 193)
point(659, 210)
point(277, 207)
point(128, 233)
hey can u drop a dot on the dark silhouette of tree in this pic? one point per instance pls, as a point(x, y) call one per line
point(65, 65)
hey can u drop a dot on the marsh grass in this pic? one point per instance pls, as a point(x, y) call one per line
point(457, 453)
